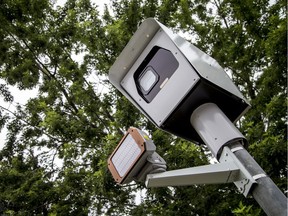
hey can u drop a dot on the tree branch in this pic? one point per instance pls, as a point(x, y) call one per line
point(217, 4)
point(27, 123)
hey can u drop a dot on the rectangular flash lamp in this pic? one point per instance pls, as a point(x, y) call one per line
point(130, 155)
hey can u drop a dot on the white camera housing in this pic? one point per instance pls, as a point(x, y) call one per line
point(167, 78)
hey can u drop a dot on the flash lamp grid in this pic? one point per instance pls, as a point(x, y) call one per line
point(126, 155)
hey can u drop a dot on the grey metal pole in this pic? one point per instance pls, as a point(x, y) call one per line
point(265, 192)
point(216, 130)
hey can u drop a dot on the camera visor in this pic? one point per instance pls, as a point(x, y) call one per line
point(148, 79)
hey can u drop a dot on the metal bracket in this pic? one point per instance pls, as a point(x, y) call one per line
point(245, 179)
point(208, 174)
point(228, 170)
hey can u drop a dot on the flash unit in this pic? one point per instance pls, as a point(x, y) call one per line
point(134, 158)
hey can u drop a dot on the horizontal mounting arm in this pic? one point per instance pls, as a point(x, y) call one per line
point(208, 174)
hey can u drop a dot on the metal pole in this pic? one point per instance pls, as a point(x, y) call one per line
point(265, 192)
point(213, 126)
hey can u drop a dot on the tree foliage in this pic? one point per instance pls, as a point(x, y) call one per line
point(53, 160)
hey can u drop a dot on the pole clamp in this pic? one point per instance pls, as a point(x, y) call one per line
point(244, 179)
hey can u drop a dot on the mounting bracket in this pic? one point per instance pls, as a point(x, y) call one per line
point(228, 170)
point(245, 179)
